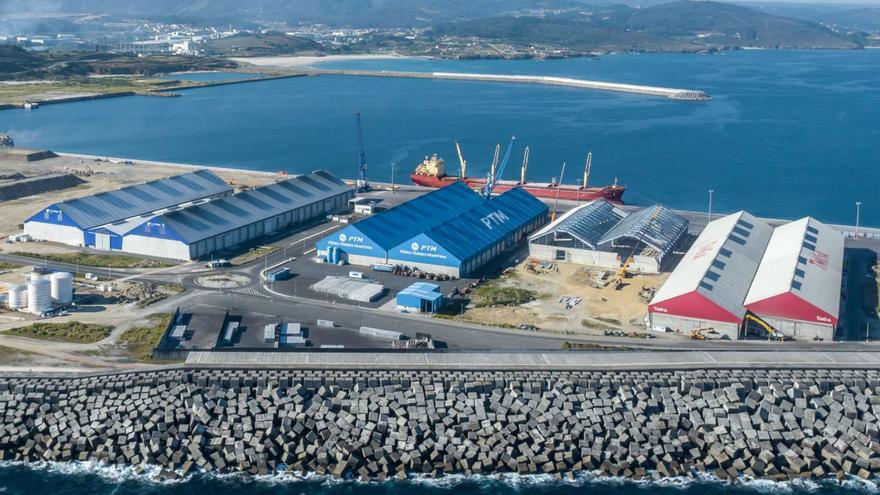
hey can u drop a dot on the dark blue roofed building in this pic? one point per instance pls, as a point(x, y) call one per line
point(100, 220)
point(166, 227)
point(452, 231)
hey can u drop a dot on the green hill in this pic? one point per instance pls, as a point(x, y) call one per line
point(684, 25)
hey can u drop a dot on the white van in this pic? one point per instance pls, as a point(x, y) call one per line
point(356, 275)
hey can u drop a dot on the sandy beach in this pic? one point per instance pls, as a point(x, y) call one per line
point(307, 61)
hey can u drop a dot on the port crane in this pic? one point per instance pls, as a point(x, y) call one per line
point(621, 274)
point(461, 160)
point(490, 180)
point(362, 183)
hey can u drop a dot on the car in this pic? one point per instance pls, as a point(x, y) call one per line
point(217, 263)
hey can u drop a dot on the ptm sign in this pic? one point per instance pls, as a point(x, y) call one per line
point(494, 219)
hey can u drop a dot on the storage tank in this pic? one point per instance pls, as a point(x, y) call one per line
point(39, 294)
point(61, 287)
point(18, 297)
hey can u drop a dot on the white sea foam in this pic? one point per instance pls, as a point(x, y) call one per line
point(151, 474)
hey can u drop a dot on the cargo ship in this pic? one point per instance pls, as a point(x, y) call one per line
point(432, 173)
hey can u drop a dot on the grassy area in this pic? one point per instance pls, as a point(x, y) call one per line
point(71, 331)
point(20, 93)
point(9, 266)
point(96, 260)
point(493, 295)
point(142, 340)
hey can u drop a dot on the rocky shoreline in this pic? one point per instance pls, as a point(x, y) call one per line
point(373, 425)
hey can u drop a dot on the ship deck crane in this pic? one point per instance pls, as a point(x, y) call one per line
point(362, 183)
point(625, 267)
point(494, 166)
point(461, 160)
point(587, 168)
point(490, 181)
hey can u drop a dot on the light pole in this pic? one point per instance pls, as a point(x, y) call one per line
point(710, 203)
point(579, 193)
point(858, 215)
point(392, 177)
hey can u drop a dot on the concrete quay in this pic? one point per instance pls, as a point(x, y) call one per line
point(672, 93)
point(369, 424)
point(655, 360)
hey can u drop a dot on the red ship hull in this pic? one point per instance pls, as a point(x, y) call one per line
point(539, 190)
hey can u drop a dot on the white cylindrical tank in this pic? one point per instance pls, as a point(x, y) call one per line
point(39, 296)
point(61, 287)
point(34, 275)
point(18, 297)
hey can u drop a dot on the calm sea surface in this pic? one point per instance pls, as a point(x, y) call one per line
point(787, 134)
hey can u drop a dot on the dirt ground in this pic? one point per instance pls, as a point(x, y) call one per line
point(600, 309)
point(106, 176)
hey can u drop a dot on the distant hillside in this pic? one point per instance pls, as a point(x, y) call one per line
point(683, 25)
point(246, 45)
point(359, 13)
point(14, 59)
point(16, 63)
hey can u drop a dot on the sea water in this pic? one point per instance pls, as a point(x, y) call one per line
point(94, 479)
point(787, 133)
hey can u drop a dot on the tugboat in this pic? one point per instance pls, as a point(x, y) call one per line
point(432, 173)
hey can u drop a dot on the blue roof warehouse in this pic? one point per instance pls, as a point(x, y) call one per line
point(188, 216)
point(452, 231)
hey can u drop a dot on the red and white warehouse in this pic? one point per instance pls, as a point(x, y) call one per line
point(709, 285)
point(789, 277)
point(797, 287)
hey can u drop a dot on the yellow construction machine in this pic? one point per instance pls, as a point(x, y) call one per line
point(771, 332)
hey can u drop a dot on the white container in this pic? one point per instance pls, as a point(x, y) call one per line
point(35, 276)
point(39, 296)
point(61, 287)
point(18, 297)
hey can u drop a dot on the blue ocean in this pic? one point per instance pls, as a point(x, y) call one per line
point(73, 479)
point(787, 133)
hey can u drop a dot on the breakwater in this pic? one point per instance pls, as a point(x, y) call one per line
point(672, 93)
point(373, 424)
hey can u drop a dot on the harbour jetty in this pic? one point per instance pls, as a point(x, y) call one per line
point(378, 424)
point(671, 93)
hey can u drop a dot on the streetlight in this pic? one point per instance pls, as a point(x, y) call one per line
point(710, 203)
point(392, 177)
point(858, 215)
point(579, 193)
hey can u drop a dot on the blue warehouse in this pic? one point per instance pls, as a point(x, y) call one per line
point(188, 216)
point(452, 231)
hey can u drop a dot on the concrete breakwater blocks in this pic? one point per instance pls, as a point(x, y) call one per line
point(780, 424)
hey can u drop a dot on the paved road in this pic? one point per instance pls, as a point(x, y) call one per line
point(595, 360)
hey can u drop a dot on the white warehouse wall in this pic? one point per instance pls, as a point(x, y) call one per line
point(152, 246)
point(64, 234)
